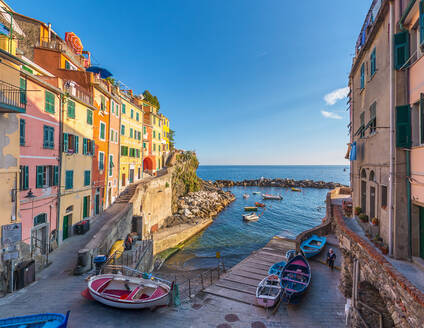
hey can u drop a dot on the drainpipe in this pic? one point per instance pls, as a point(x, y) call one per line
point(59, 184)
point(405, 14)
point(408, 182)
point(391, 106)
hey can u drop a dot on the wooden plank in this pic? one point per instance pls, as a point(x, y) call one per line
point(248, 275)
point(261, 267)
point(237, 286)
point(232, 295)
point(242, 280)
point(249, 270)
point(263, 261)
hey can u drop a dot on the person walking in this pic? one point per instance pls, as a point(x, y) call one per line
point(331, 257)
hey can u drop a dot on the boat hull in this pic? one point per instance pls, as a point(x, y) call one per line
point(313, 245)
point(271, 197)
point(295, 277)
point(51, 320)
point(129, 305)
point(268, 291)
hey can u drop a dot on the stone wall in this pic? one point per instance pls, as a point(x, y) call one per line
point(323, 229)
point(404, 302)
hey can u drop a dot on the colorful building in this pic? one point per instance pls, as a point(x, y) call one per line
point(165, 137)
point(131, 161)
point(153, 120)
point(149, 158)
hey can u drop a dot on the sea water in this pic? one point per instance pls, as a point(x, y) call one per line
point(235, 239)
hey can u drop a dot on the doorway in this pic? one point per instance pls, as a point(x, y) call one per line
point(109, 197)
point(86, 207)
point(39, 238)
point(97, 203)
point(364, 196)
point(123, 180)
point(131, 177)
point(66, 220)
point(372, 202)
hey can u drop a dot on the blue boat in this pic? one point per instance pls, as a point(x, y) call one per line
point(295, 277)
point(45, 320)
point(277, 268)
point(313, 245)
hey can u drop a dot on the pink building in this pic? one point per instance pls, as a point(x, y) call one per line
point(39, 162)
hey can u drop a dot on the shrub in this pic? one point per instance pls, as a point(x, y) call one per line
point(363, 217)
point(358, 210)
point(374, 221)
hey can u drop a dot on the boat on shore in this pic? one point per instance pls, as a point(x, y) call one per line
point(295, 277)
point(45, 320)
point(246, 196)
point(250, 208)
point(269, 196)
point(296, 189)
point(129, 289)
point(268, 291)
point(313, 245)
point(250, 217)
point(277, 268)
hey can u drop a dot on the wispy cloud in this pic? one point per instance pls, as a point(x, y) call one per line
point(331, 115)
point(262, 54)
point(336, 95)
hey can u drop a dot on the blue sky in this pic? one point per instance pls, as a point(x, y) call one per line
point(242, 81)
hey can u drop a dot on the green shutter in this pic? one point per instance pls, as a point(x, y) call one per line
point(49, 102)
point(403, 126)
point(71, 109)
point(69, 179)
point(89, 117)
point(401, 44)
point(39, 178)
point(76, 148)
point(123, 108)
point(45, 137)
point(84, 146)
point(421, 21)
point(23, 87)
point(131, 132)
point(137, 116)
point(362, 82)
point(373, 62)
point(26, 177)
point(56, 176)
point(422, 116)
point(93, 147)
point(102, 131)
point(86, 178)
point(22, 132)
point(65, 142)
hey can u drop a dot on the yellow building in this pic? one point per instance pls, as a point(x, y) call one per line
point(131, 140)
point(77, 157)
point(157, 134)
point(165, 135)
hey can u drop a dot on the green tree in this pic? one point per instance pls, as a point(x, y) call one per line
point(171, 135)
point(151, 99)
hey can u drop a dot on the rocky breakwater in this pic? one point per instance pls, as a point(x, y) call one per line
point(282, 183)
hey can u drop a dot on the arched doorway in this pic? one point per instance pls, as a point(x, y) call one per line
point(372, 194)
point(363, 191)
point(148, 164)
point(39, 235)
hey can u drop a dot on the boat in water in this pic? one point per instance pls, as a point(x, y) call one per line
point(256, 193)
point(257, 204)
point(250, 217)
point(45, 320)
point(296, 189)
point(268, 291)
point(277, 268)
point(313, 245)
point(269, 196)
point(129, 289)
point(295, 277)
point(250, 208)
point(246, 196)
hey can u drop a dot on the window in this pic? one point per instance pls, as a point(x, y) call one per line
point(87, 178)
point(87, 147)
point(422, 117)
point(137, 116)
point(102, 103)
point(112, 107)
point(373, 61)
point(22, 132)
point(403, 126)
point(124, 151)
point(22, 93)
point(69, 179)
point(71, 109)
point(363, 76)
point(401, 44)
point(131, 132)
point(132, 113)
point(154, 147)
point(144, 145)
point(123, 108)
point(49, 102)
point(421, 22)
point(144, 130)
point(89, 117)
point(383, 196)
point(159, 136)
point(48, 139)
point(102, 131)
point(123, 129)
point(362, 117)
point(110, 165)
point(373, 118)
point(67, 65)
point(154, 134)
point(101, 160)
point(23, 177)
point(70, 143)
point(47, 176)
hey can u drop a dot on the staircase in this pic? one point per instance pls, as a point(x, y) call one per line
point(127, 194)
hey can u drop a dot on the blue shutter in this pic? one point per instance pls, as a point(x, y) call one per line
point(421, 21)
point(39, 177)
point(403, 126)
point(362, 83)
point(56, 176)
point(65, 142)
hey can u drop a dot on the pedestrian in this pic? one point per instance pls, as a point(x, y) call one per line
point(331, 257)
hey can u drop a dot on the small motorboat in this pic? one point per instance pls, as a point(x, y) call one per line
point(130, 292)
point(268, 291)
point(313, 245)
point(45, 320)
point(269, 196)
point(296, 189)
point(295, 277)
point(256, 193)
point(257, 204)
point(250, 217)
point(250, 208)
point(277, 268)
point(246, 196)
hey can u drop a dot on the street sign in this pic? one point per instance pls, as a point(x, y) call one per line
point(11, 234)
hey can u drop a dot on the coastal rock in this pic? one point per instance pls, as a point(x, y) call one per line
point(278, 182)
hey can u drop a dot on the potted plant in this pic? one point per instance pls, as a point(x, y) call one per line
point(384, 249)
point(363, 217)
point(358, 210)
point(374, 221)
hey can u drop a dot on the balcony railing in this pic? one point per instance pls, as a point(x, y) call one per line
point(369, 22)
point(62, 47)
point(12, 98)
point(79, 93)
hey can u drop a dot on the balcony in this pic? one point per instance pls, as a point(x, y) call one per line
point(12, 98)
point(369, 23)
point(62, 47)
point(79, 93)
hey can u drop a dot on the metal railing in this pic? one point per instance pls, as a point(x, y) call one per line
point(130, 258)
point(12, 96)
point(79, 93)
point(62, 47)
point(369, 21)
